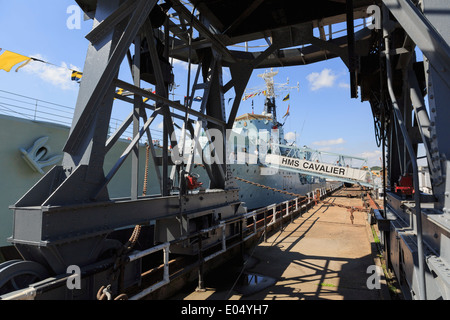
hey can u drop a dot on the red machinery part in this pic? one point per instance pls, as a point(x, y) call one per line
point(405, 185)
point(192, 182)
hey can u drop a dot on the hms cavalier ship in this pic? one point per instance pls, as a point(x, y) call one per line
point(253, 137)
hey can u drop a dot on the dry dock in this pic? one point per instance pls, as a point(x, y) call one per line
point(324, 254)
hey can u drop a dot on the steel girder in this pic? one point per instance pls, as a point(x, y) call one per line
point(419, 226)
point(67, 216)
point(70, 208)
point(429, 31)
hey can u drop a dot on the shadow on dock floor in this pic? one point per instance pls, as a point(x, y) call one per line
point(322, 255)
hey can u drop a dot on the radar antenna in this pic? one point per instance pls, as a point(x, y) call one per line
point(270, 91)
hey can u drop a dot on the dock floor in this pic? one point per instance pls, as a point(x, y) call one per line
point(321, 255)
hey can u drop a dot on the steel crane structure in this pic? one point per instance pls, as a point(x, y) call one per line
point(68, 218)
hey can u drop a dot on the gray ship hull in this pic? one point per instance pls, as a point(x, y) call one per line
point(256, 196)
point(18, 175)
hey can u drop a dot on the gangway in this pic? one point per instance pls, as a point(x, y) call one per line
point(312, 165)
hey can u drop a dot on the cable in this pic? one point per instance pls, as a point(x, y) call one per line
point(243, 266)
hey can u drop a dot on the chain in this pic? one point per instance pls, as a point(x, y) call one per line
point(144, 191)
point(270, 188)
point(350, 208)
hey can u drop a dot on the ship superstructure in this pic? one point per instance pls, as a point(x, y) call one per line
point(263, 134)
point(257, 143)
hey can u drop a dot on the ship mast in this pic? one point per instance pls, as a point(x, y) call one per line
point(268, 79)
point(269, 104)
point(270, 91)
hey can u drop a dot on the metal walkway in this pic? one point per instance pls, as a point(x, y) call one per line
point(321, 255)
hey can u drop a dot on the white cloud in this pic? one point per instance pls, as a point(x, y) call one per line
point(290, 136)
point(177, 62)
point(373, 157)
point(344, 85)
point(161, 125)
point(371, 154)
point(184, 65)
point(329, 142)
point(326, 78)
point(57, 76)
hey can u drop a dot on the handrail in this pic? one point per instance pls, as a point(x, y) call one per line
point(251, 231)
point(289, 207)
point(40, 110)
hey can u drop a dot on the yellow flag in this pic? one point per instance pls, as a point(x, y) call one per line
point(76, 75)
point(119, 92)
point(9, 59)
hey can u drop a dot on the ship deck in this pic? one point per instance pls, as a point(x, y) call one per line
point(321, 255)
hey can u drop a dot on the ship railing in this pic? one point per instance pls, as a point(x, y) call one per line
point(324, 156)
point(20, 106)
point(256, 222)
point(322, 169)
point(166, 279)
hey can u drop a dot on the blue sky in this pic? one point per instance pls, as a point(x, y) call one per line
point(322, 114)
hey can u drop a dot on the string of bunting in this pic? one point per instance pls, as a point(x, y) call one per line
point(251, 95)
point(9, 59)
point(286, 98)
